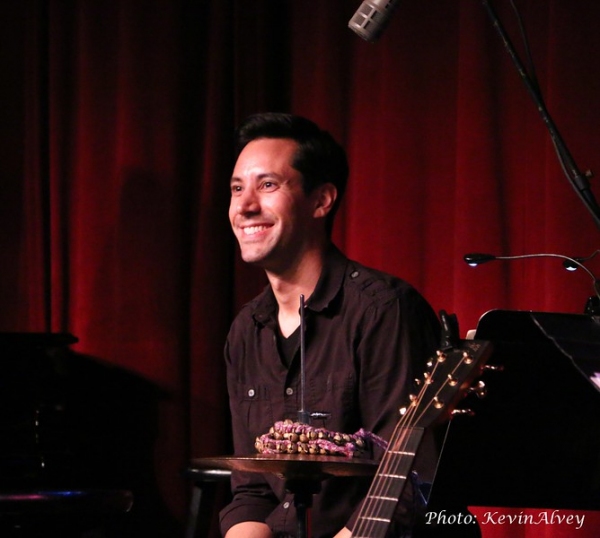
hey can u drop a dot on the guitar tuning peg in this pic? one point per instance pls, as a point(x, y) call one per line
point(437, 403)
point(480, 390)
point(463, 412)
point(494, 367)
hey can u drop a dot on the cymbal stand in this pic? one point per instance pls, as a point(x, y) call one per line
point(303, 491)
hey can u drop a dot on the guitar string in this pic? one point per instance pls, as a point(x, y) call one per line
point(381, 491)
point(405, 424)
point(380, 488)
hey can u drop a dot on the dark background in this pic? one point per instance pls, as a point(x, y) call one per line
point(116, 124)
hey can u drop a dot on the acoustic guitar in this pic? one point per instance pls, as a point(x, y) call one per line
point(448, 380)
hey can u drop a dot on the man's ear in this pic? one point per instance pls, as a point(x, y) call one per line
point(325, 197)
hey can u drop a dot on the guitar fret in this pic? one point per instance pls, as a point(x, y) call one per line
point(401, 452)
point(380, 519)
point(391, 499)
point(393, 476)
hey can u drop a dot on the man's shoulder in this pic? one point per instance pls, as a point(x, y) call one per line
point(374, 285)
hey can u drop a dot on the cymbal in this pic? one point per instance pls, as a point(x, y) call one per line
point(291, 466)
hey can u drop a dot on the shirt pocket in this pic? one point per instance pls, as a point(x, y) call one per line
point(256, 407)
point(334, 395)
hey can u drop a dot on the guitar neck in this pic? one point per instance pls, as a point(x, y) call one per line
point(446, 382)
point(388, 484)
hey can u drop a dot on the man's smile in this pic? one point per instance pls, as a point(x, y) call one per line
point(255, 229)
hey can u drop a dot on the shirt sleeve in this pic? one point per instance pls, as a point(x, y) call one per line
point(253, 498)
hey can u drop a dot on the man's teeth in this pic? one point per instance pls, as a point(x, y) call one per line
point(251, 230)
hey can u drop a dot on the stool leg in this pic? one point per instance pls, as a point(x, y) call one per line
point(200, 512)
point(205, 500)
point(194, 513)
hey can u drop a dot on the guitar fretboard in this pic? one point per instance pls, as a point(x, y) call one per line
point(380, 503)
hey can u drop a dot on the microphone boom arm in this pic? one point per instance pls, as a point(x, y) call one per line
point(578, 180)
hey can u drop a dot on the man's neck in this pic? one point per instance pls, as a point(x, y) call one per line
point(301, 279)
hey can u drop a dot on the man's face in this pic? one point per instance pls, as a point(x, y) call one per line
point(269, 212)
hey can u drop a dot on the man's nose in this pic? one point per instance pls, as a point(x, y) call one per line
point(248, 202)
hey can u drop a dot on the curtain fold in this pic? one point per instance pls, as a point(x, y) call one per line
point(118, 151)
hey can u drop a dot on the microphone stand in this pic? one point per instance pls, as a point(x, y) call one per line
point(578, 180)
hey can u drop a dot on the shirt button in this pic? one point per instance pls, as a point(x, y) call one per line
point(251, 393)
point(354, 274)
point(289, 391)
point(286, 505)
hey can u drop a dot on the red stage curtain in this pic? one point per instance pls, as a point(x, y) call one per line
point(116, 152)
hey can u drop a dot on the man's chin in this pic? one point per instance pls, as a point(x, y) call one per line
point(262, 261)
point(253, 258)
point(255, 262)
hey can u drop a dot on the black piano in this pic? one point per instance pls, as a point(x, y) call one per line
point(77, 440)
point(534, 440)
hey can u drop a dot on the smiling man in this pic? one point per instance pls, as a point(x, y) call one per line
point(367, 334)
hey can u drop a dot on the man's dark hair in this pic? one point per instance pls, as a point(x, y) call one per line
point(319, 158)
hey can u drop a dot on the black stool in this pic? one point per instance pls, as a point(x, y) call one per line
point(204, 495)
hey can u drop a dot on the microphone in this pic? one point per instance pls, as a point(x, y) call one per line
point(570, 264)
point(371, 18)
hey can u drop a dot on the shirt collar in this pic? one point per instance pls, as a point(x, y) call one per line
point(327, 288)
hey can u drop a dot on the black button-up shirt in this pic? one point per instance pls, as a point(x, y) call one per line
point(368, 336)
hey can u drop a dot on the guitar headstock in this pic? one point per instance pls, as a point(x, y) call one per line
point(447, 381)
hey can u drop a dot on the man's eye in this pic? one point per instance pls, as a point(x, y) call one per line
point(235, 189)
point(268, 185)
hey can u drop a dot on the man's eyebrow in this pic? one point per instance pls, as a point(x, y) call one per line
point(264, 175)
